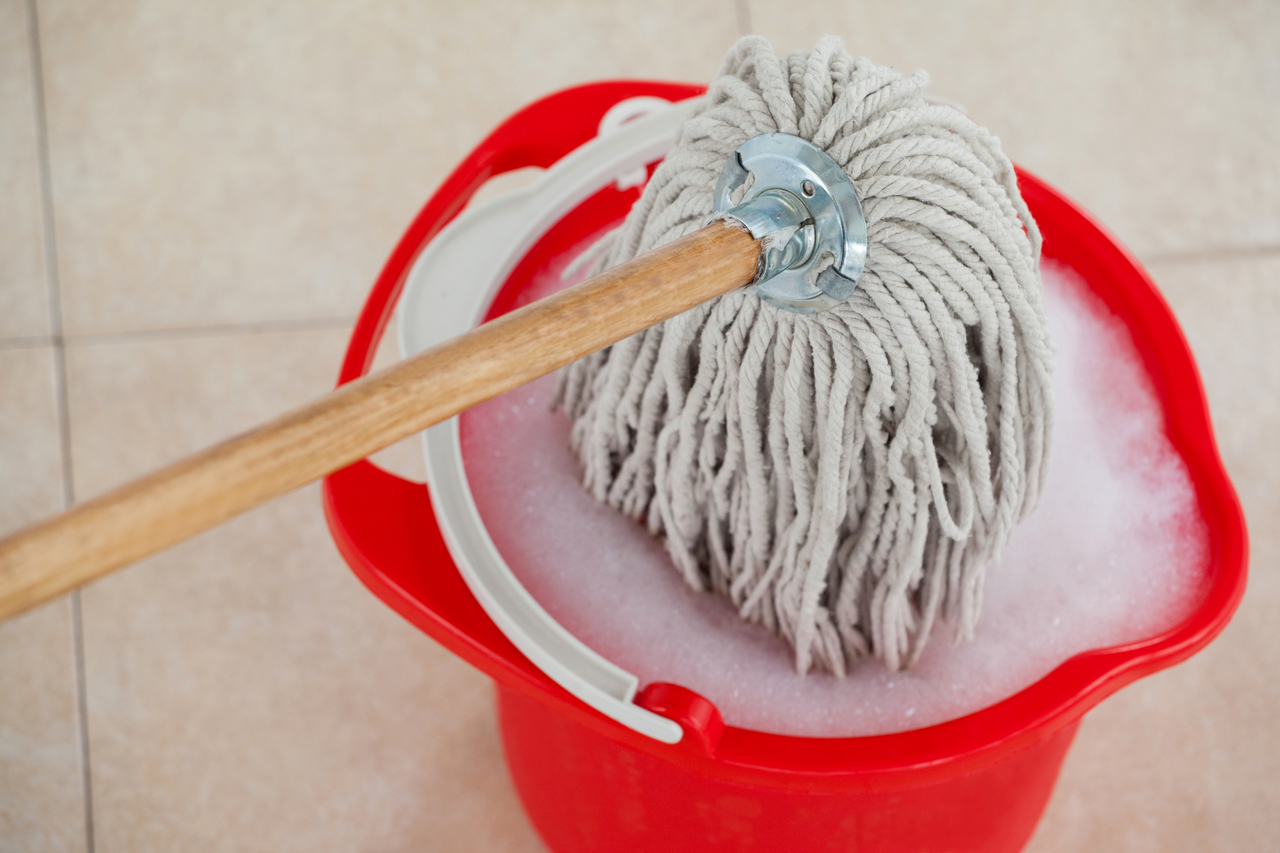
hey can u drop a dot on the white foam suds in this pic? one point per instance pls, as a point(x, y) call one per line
point(1114, 554)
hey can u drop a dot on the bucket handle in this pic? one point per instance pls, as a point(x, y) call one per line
point(538, 135)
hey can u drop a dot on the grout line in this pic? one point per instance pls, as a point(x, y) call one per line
point(82, 710)
point(51, 256)
point(1237, 253)
point(33, 342)
point(742, 9)
point(181, 333)
point(53, 284)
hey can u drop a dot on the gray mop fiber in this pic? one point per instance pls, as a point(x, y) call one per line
point(843, 478)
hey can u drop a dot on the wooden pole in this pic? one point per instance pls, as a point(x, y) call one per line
point(364, 416)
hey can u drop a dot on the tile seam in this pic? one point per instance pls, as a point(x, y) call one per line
point(29, 342)
point(54, 294)
point(1205, 256)
point(318, 324)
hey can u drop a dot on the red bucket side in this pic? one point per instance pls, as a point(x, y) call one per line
point(588, 792)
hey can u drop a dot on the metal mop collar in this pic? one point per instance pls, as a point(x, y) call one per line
point(842, 450)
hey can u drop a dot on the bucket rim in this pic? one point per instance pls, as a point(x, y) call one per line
point(385, 529)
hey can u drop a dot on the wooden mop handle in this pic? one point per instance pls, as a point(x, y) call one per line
point(361, 417)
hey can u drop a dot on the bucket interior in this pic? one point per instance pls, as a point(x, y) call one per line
point(1111, 566)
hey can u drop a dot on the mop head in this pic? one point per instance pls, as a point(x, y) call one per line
point(843, 478)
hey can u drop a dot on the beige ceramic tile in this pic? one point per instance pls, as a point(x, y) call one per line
point(41, 780)
point(24, 307)
point(230, 162)
point(1158, 116)
point(245, 691)
point(30, 447)
point(140, 403)
point(1186, 760)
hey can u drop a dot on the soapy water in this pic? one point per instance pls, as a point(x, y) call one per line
point(1115, 553)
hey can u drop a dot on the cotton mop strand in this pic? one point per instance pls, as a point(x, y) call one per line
point(844, 478)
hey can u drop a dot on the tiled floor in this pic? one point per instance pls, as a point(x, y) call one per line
point(194, 199)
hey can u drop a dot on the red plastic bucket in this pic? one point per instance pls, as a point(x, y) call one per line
point(979, 782)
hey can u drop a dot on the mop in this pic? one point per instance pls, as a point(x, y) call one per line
point(844, 478)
